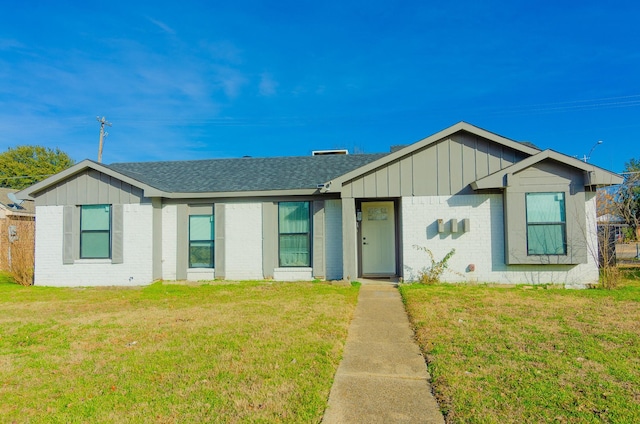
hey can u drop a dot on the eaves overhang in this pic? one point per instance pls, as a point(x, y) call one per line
point(9, 211)
point(594, 176)
point(150, 191)
point(236, 194)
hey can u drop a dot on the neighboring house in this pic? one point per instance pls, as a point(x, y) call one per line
point(514, 214)
point(17, 227)
point(613, 225)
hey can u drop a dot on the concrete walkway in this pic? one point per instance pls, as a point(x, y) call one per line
point(382, 377)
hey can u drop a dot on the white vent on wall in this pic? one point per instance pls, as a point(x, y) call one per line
point(330, 152)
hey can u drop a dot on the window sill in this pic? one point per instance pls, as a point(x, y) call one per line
point(294, 268)
point(92, 261)
point(547, 260)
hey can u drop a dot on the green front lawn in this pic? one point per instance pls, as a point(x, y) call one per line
point(248, 352)
point(514, 355)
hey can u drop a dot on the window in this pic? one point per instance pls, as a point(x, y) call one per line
point(95, 232)
point(546, 224)
point(294, 224)
point(201, 241)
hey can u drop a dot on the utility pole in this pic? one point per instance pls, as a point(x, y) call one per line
point(103, 122)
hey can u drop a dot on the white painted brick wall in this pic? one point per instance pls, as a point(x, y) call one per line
point(293, 274)
point(137, 266)
point(169, 241)
point(483, 246)
point(200, 274)
point(333, 238)
point(243, 241)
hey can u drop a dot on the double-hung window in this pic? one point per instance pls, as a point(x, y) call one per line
point(201, 241)
point(546, 224)
point(95, 231)
point(294, 229)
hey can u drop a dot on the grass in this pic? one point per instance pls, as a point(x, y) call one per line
point(513, 355)
point(248, 352)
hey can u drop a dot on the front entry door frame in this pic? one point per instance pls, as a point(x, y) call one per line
point(396, 241)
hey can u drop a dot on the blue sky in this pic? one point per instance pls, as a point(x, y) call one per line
point(194, 80)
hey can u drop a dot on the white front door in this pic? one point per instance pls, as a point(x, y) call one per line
point(378, 240)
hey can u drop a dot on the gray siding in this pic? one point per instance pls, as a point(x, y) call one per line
point(89, 187)
point(547, 176)
point(219, 212)
point(318, 234)
point(117, 240)
point(157, 239)
point(269, 238)
point(182, 240)
point(349, 240)
point(440, 169)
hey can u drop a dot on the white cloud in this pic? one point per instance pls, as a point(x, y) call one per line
point(268, 86)
point(9, 44)
point(223, 51)
point(161, 98)
point(230, 80)
point(164, 27)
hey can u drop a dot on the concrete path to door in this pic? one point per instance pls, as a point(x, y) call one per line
point(383, 377)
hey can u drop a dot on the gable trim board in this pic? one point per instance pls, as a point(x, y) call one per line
point(462, 188)
point(593, 176)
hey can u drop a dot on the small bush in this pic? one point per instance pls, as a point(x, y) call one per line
point(610, 277)
point(19, 252)
point(433, 274)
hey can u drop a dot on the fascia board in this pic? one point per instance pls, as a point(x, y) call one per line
point(237, 194)
point(149, 191)
point(460, 126)
point(599, 176)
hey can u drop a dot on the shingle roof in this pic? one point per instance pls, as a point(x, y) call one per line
point(243, 174)
point(26, 207)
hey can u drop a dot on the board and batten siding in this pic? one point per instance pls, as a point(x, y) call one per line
point(548, 176)
point(89, 187)
point(440, 169)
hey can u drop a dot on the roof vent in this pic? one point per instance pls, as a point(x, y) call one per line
point(330, 152)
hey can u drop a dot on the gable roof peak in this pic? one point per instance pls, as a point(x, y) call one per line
point(435, 138)
point(595, 176)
